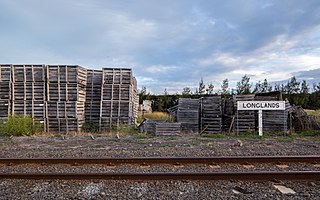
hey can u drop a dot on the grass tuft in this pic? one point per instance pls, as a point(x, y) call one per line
point(16, 125)
point(213, 136)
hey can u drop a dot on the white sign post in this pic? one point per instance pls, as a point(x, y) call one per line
point(260, 106)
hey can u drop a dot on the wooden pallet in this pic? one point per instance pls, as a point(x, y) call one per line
point(117, 76)
point(65, 109)
point(188, 114)
point(5, 108)
point(66, 92)
point(5, 73)
point(35, 109)
point(245, 121)
point(66, 74)
point(92, 111)
point(167, 129)
point(211, 114)
point(94, 85)
point(63, 125)
point(28, 73)
point(29, 91)
point(5, 90)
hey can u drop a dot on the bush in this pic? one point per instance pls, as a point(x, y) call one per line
point(19, 126)
point(90, 127)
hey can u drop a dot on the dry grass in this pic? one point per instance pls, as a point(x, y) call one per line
point(155, 116)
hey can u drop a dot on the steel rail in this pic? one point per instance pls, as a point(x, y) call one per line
point(166, 160)
point(248, 176)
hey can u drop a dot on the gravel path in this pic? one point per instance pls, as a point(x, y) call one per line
point(34, 147)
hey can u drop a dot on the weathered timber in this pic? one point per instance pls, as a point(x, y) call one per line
point(167, 128)
point(188, 114)
point(211, 114)
point(28, 73)
point(5, 73)
point(245, 121)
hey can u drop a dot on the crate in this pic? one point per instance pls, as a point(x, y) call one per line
point(66, 92)
point(29, 91)
point(4, 108)
point(65, 109)
point(92, 111)
point(5, 73)
point(188, 114)
point(28, 73)
point(167, 129)
point(211, 115)
point(117, 76)
point(93, 88)
point(35, 109)
point(116, 92)
point(67, 74)
point(5, 90)
point(63, 125)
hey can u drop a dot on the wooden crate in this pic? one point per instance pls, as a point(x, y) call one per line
point(5, 90)
point(167, 129)
point(188, 114)
point(116, 109)
point(28, 73)
point(117, 92)
point(29, 91)
point(94, 85)
point(92, 111)
point(66, 74)
point(211, 115)
point(35, 109)
point(66, 92)
point(245, 120)
point(5, 73)
point(4, 108)
point(117, 76)
point(63, 125)
point(65, 109)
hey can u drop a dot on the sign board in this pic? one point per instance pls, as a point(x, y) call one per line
point(261, 105)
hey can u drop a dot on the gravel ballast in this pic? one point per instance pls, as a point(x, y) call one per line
point(80, 147)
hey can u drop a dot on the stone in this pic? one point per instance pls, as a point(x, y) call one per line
point(284, 189)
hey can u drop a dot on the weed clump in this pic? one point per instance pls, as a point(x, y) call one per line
point(16, 125)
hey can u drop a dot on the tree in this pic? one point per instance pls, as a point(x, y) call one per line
point(202, 87)
point(316, 87)
point(244, 86)
point(210, 89)
point(224, 87)
point(186, 91)
point(262, 87)
point(292, 86)
point(304, 87)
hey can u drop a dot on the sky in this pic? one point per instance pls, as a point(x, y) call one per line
point(169, 44)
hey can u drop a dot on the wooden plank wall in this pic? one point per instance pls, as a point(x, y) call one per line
point(211, 114)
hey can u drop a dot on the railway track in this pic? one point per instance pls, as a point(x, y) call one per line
point(229, 175)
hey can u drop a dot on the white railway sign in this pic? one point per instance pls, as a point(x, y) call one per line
point(260, 106)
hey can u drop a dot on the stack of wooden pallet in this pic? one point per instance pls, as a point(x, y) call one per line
point(245, 119)
point(211, 114)
point(119, 101)
point(66, 95)
point(5, 90)
point(28, 91)
point(188, 115)
point(93, 97)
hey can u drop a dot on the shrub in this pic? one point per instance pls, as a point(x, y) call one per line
point(19, 126)
point(90, 127)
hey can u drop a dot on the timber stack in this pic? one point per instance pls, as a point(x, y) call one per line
point(28, 91)
point(211, 114)
point(5, 90)
point(119, 100)
point(66, 92)
point(64, 97)
point(188, 115)
point(93, 98)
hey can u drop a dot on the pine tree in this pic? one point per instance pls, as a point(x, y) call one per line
point(202, 87)
point(244, 86)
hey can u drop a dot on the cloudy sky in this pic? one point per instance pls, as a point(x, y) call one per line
point(169, 43)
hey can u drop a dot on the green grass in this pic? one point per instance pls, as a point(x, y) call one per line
point(213, 136)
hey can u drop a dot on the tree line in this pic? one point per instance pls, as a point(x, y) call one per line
point(298, 93)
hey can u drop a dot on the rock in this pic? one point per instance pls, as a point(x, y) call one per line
point(284, 189)
point(238, 143)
